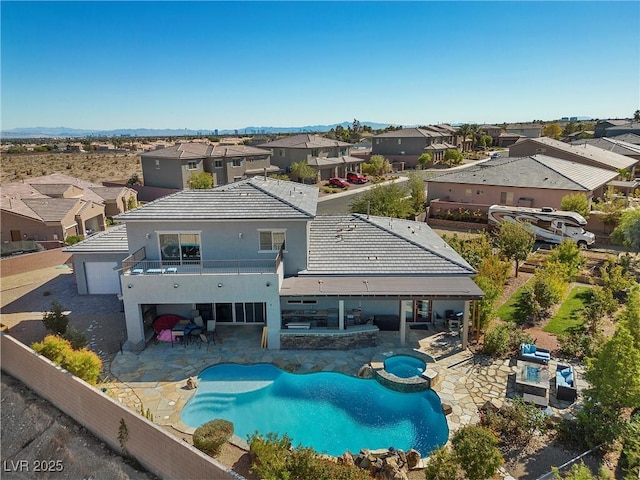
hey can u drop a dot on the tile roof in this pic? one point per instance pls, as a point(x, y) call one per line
point(611, 145)
point(439, 146)
point(253, 198)
point(181, 151)
point(627, 137)
point(623, 128)
point(52, 209)
point(108, 193)
point(329, 161)
point(537, 171)
point(595, 154)
point(305, 140)
point(357, 245)
point(411, 132)
point(52, 189)
point(112, 240)
point(237, 151)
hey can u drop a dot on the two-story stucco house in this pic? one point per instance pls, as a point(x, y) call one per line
point(255, 252)
point(172, 167)
point(407, 144)
point(331, 158)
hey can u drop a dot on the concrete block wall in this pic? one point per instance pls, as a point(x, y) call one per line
point(33, 261)
point(158, 451)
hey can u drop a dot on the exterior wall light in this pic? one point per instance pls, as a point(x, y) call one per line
point(130, 286)
point(219, 285)
point(175, 285)
point(268, 284)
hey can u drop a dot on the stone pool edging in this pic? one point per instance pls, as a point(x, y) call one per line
point(427, 380)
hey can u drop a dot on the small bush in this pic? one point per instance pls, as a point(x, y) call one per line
point(514, 423)
point(475, 449)
point(84, 363)
point(504, 339)
point(55, 321)
point(77, 339)
point(73, 239)
point(210, 436)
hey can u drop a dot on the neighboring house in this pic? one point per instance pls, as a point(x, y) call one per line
point(584, 154)
point(628, 137)
point(507, 139)
point(493, 131)
point(602, 126)
point(534, 181)
point(630, 127)
point(116, 199)
point(254, 252)
point(612, 144)
point(172, 167)
point(331, 158)
point(585, 134)
point(50, 208)
point(407, 144)
point(529, 130)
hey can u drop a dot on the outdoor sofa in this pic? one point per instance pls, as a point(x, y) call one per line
point(566, 383)
point(532, 353)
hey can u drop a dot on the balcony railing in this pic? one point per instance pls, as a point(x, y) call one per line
point(138, 264)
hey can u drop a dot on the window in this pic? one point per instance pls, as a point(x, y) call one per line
point(480, 192)
point(468, 192)
point(377, 141)
point(272, 240)
point(179, 247)
point(157, 163)
point(217, 163)
point(343, 152)
point(399, 141)
point(237, 162)
point(314, 152)
point(282, 152)
point(192, 165)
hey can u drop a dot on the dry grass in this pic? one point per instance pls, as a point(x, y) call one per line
point(91, 166)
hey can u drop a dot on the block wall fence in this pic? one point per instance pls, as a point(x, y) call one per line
point(155, 449)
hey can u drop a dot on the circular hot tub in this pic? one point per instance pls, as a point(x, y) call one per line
point(404, 366)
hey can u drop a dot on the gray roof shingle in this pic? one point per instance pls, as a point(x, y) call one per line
point(253, 198)
point(611, 145)
point(305, 140)
point(357, 245)
point(110, 241)
point(52, 209)
point(537, 171)
point(412, 132)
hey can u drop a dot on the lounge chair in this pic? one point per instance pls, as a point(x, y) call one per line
point(566, 383)
point(532, 353)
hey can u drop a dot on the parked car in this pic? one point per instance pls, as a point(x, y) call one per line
point(354, 177)
point(338, 182)
point(495, 155)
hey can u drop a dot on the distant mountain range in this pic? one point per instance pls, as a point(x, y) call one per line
point(65, 132)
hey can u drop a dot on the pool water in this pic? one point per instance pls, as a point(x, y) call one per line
point(330, 412)
point(404, 366)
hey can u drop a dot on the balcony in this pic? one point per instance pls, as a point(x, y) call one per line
point(138, 264)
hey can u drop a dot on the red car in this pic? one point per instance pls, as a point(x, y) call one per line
point(338, 182)
point(356, 177)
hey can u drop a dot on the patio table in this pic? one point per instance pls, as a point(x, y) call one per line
point(532, 378)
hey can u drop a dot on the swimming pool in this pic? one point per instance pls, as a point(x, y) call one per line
point(404, 366)
point(330, 412)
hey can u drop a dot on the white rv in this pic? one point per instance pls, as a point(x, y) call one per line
point(549, 225)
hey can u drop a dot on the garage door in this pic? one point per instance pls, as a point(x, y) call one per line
point(101, 278)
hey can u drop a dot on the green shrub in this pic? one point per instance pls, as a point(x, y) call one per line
point(73, 239)
point(630, 459)
point(52, 347)
point(576, 343)
point(83, 363)
point(504, 339)
point(442, 465)
point(476, 450)
point(55, 321)
point(275, 459)
point(77, 339)
point(515, 422)
point(210, 436)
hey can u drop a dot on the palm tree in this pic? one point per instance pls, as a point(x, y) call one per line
point(474, 130)
point(464, 130)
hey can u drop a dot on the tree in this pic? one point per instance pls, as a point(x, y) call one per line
point(55, 321)
point(486, 141)
point(385, 201)
point(377, 165)
point(416, 187)
point(628, 230)
point(424, 160)
point(474, 130)
point(570, 256)
point(200, 181)
point(576, 202)
point(280, 176)
point(630, 316)
point(302, 171)
point(636, 116)
point(614, 374)
point(464, 131)
point(453, 157)
point(515, 242)
point(552, 130)
point(476, 449)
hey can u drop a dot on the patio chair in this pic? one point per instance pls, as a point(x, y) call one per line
point(211, 329)
point(207, 340)
point(198, 321)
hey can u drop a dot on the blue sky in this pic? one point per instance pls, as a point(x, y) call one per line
point(208, 65)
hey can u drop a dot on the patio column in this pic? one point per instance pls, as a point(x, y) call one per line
point(340, 314)
point(465, 325)
point(404, 308)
